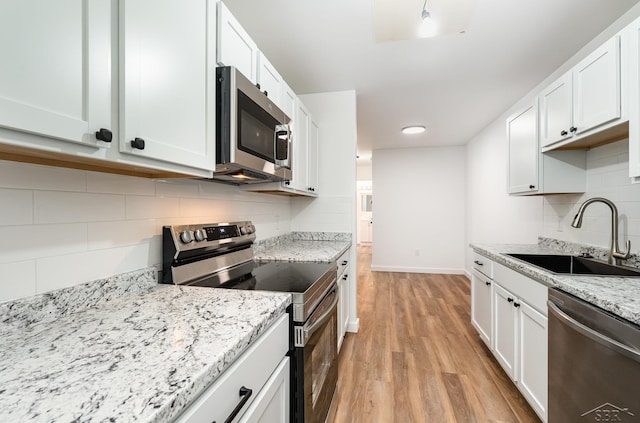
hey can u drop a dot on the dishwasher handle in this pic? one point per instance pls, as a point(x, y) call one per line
point(592, 334)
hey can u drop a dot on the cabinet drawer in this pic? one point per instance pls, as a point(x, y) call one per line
point(342, 263)
point(251, 370)
point(527, 289)
point(483, 265)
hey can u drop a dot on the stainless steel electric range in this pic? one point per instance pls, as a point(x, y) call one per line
point(220, 255)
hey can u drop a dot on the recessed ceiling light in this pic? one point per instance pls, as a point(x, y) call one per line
point(415, 129)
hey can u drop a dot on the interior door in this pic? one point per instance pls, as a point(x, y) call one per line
point(365, 217)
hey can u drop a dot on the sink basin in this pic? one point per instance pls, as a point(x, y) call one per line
point(573, 265)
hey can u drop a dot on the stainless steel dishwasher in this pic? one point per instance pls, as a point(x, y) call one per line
point(594, 363)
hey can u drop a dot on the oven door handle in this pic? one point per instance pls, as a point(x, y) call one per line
point(592, 334)
point(322, 319)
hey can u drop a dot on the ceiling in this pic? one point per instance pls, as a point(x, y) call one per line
point(455, 85)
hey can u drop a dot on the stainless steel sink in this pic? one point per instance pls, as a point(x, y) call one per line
point(574, 265)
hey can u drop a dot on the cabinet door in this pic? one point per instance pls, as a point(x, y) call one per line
point(272, 403)
point(270, 80)
point(481, 306)
point(505, 329)
point(522, 135)
point(288, 101)
point(596, 87)
point(55, 77)
point(532, 373)
point(235, 46)
point(312, 157)
point(634, 100)
point(300, 146)
point(168, 80)
point(556, 111)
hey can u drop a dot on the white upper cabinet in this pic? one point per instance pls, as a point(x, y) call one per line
point(596, 88)
point(556, 111)
point(269, 80)
point(55, 77)
point(634, 100)
point(235, 46)
point(585, 101)
point(300, 147)
point(288, 101)
point(312, 157)
point(522, 133)
point(532, 172)
point(167, 86)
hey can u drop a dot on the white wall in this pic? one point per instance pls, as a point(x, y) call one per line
point(419, 210)
point(61, 227)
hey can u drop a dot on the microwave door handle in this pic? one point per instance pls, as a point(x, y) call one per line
point(281, 132)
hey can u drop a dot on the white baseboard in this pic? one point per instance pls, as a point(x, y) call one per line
point(353, 326)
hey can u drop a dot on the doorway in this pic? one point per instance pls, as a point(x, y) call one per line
point(365, 213)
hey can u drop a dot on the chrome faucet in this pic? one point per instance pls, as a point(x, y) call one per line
point(615, 255)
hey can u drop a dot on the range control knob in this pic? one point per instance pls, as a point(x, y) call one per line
point(251, 229)
point(199, 235)
point(243, 230)
point(186, 237)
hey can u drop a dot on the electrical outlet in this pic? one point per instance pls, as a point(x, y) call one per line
point(560, 225)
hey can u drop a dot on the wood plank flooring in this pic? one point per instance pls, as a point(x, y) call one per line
point(417, 358)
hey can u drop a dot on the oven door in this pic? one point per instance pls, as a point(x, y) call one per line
point(316, 363)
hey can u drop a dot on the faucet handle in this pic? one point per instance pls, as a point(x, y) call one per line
point(623, 256)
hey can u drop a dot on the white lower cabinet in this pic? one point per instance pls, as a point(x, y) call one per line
point(509, 313)
point(520, 336)
point(272, 405)
point(343, 299)
point(532, 358)
point(256, 387)
point(505, 317)
point(481, 289)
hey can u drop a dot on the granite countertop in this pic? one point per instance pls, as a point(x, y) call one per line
point(138, 358)
point(320, 247)
point(618, 295)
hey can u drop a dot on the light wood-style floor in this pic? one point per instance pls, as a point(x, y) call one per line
point(417, 358)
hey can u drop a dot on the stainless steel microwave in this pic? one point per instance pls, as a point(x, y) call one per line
point(253, 136)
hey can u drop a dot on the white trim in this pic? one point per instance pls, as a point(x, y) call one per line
point(353, 326)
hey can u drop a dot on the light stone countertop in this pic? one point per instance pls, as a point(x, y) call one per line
point(136, 358)
point(618, 295)
point(319, 247)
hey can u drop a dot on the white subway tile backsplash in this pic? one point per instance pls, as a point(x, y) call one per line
point(103, 235)
point(64, 226)
point(177, 188)
point(72, 269)
point(151, 207)
point(27, 242)
point(119, 184)
point(28, 176)
point(16, 207)
point(198, 207)
point(58, 207)
point(17, 280)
